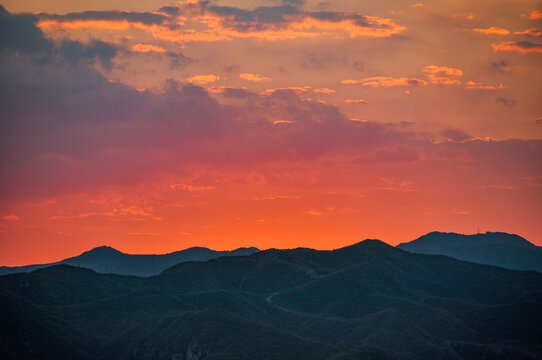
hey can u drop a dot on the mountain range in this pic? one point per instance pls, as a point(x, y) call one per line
point(365, 301)
point(105, 259)
point(492, 248)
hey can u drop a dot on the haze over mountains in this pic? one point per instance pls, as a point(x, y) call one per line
point(105, 259)
point(492, 248)
point(365, 301)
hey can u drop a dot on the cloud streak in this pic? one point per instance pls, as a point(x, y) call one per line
point(386, 81)
point(253, 77)
point(203, 79)
point(522, 47)
point(177, 22)
point(145, 48)
point(494, 30)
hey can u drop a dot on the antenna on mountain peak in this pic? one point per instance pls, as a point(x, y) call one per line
point(478, 231)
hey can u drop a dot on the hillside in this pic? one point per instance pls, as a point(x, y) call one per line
point(492, 248)
point(105, 259)
point(365, 301)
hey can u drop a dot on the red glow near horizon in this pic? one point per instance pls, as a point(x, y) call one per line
point(153, 131)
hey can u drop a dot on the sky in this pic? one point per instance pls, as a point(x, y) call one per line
point(154, 126)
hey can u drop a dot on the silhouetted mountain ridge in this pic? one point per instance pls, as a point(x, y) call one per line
point(455, 239)
point(365, 301)
point(492, 248)
point(105, 259)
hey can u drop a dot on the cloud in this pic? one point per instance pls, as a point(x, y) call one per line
point(293, 89)
point(501, 66)
point(254, 77)
point(134, 212)
point(323, 60)
point(11, 218)
point(324, 91)
point(102, 133)
point(471, 85)
point(76, 52)
point(359, 66)
point(203, 79)
point(229, 91)
point(177, 22)
point(523, 47)
point(456, 135)
point(191, 188)
point(19, 33)
point(277, 122)
point(355, 101)
point(494, 30)
point(177, 59)
point(68, 130)
point(534, 15)
point(313, 212)
point(468, 16)
point(293, 2)
point(509, 103)
point(529, 32)
point(286, 21)
point(433, 69)
point(144, 48)
point(386, 81)
point(441, 80)
point(105, 19)
point(417, 5)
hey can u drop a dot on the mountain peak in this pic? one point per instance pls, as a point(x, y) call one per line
point(101, 252)
point(370, 244)
point(104, 249)
point(492, 248)
point(455, 239)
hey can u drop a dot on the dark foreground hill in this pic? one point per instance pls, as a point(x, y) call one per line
point(493, 248)
point(366, 301)
point(105, 259)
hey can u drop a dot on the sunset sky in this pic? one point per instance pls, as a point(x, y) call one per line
point(152, 126)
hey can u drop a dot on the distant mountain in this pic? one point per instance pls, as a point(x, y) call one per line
point(105, 259)
point(365, 301)
point(492, 248)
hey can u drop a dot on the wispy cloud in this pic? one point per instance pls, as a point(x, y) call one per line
point(145, 48)
point(434, 69)
point(471, 85)
point(530, 32)
point(324, 91)
point(494, 30)
point(171, 22)
point(522, 47)
point(355, 101)
point(203, 79)
point(534, 15)
point(387, 81)
point(11, 218)
point(254, 77)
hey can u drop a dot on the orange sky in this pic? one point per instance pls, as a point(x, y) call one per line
point(152, 126)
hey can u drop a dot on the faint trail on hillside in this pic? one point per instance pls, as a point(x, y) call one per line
point(269, 301)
